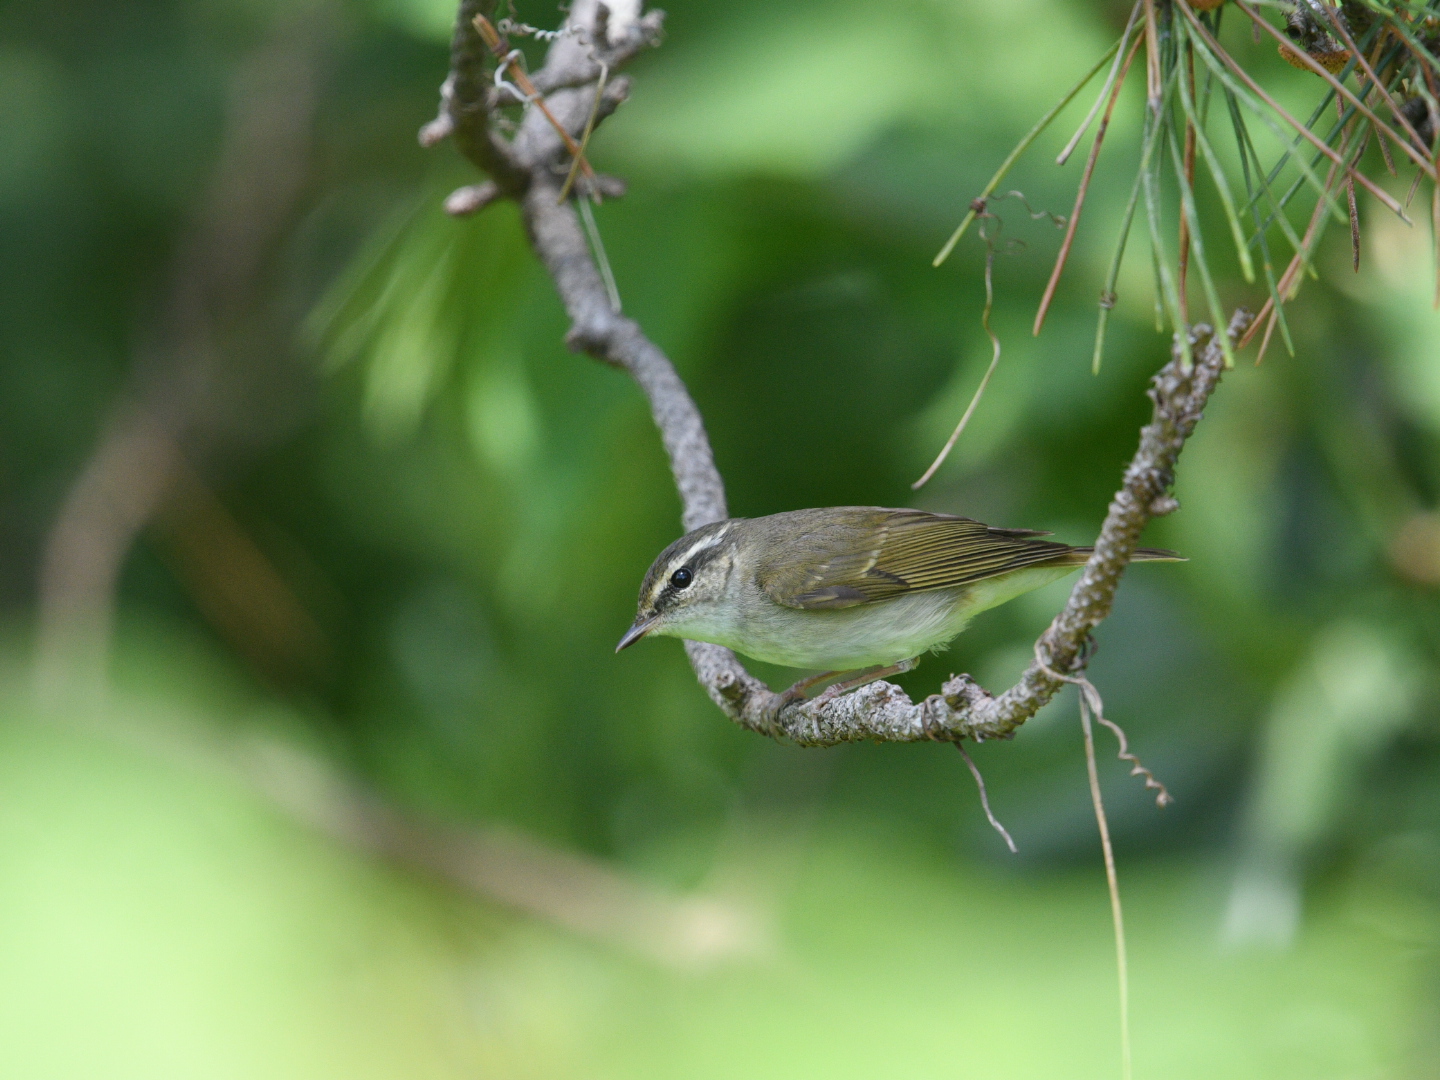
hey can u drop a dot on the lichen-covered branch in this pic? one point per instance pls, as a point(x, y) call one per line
point(530, 169)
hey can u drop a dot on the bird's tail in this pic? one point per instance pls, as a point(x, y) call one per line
point(1080, 555)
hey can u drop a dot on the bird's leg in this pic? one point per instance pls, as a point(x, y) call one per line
point(799, 692)
point(835, 690)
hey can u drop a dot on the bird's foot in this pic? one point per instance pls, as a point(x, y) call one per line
point(801, 690)
point(839, 689)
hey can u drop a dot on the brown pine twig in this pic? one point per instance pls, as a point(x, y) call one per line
point(1074, 222)
point(1153, 82)
point(1288, 280)
point(1352, 210)
point(1069, 147)
point(496, 45)
point(1184, 256)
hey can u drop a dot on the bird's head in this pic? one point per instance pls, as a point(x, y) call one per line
point(684, 592)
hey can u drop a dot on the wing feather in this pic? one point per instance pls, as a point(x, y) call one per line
point(861, 555)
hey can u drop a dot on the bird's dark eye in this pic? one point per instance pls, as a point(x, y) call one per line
point(681, 578)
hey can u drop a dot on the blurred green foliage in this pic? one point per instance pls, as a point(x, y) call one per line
point(465, 509)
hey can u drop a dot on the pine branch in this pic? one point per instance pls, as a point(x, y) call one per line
point(530, 168)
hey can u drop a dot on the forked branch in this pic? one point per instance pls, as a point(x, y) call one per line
point(530, 168)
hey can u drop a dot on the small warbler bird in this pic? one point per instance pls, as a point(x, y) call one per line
point(844, 588)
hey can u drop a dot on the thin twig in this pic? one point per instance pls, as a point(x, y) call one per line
point(1014, 155)
point(509, 60)
point(1117, 915)
point(612, 291)
point(585, 138)
point(994, 358)
point(1074, 222)
point(1069, 149)
point(985, 799)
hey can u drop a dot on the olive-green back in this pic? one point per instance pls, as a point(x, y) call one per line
point(845, 556)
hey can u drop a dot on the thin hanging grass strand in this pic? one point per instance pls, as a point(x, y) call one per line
point(1107, 295)
point(985, 799)
point(1217, 174)
point(1090, 701)
point(601, 259)
point(1070, 226)
point(1364, 181)
point(1064, 154)
point(585, 138)
point(1117, 914)
point(1014, 155)
point(984, 382)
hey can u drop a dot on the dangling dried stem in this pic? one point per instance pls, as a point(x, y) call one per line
point(1100, 98)
point(985, 799)
point(994, 360)
point(1117, 915)
point(1074, 221)
point(1183, 268)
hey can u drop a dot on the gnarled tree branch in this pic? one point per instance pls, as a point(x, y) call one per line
point(530, 169)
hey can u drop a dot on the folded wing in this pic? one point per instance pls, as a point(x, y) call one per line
point(871, 555)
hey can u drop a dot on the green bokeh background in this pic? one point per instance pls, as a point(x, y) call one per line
point(465, 509)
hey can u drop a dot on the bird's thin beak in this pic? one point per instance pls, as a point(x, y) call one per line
point(635, 633)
